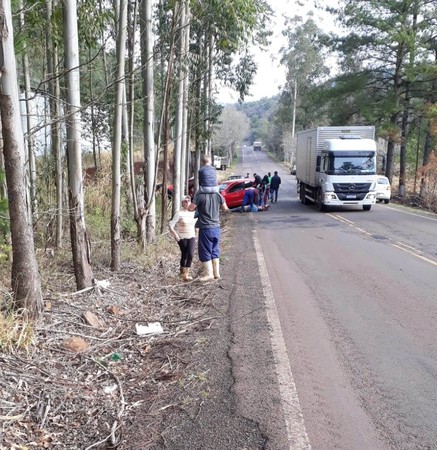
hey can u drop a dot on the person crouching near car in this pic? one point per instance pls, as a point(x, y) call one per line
point(182, 228)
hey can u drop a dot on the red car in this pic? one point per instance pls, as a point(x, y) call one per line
point(190, 188)
point(233, 191)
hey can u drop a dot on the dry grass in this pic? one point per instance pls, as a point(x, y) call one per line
point(16, 332)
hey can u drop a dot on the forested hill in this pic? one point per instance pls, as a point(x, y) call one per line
point(260, 114)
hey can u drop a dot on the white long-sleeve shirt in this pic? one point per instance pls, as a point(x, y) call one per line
point(183, 222)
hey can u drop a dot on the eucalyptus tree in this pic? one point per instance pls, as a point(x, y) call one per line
point(28, 108)
point(54, 90)
point(25, 280)
point(305, 61)
point(79, 237)
point(148, 228)
point(121, 20)
point(224, 33)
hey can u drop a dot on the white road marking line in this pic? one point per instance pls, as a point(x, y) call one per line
point(430, 261)
point(409, 247)
point(424, 215)
point(341, 219)
point(363, 231)
point(296, 431)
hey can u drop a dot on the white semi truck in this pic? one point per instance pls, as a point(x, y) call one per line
point(336, 166)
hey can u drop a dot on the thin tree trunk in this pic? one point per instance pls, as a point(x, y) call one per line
point(25, 280)
point(31, 166)
point(79, 239)
point(185, 151)
point(116, 142)
point(177, 154)
point(165, 123)
point(150, 154)
point(54, 91)
point(403, 149)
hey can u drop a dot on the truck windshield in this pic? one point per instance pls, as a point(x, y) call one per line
point(351, 163)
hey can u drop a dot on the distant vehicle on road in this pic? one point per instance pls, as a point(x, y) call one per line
point(221, 162)
point(383, 189)
point(257, 146)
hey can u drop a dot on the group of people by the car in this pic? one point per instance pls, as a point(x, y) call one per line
point(203, 212)
point(257, 197)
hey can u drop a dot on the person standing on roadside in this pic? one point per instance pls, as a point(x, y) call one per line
point(256, 180)
point(182, 229)
point(208, 222)
point(275, 182)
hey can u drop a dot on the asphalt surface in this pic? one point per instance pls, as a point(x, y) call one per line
point(243, 407)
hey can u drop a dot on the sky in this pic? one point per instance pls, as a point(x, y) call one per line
point(270, 76)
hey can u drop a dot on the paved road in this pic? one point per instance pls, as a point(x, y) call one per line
point(324, 334)
point(350, 303)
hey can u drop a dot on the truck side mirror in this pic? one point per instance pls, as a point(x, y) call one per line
point(318, 161)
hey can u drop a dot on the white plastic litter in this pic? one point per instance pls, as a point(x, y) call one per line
point(150, 328)
point(104, 284)
point(110, 389)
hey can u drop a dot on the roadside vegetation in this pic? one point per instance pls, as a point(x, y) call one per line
point(117, 101)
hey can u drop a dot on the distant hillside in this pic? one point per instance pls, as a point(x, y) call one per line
point(260, 113)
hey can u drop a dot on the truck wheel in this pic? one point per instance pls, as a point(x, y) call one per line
point(386, 202)
point(303, 199)
point(319, 201)
point(367, 207)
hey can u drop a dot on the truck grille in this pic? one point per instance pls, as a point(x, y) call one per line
point(351, 191)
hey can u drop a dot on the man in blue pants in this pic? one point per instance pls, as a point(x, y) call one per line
point(208, 206)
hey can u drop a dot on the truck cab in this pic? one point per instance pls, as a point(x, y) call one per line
point(347, 172)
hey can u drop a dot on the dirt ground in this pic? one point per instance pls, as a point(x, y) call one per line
point(91, 379)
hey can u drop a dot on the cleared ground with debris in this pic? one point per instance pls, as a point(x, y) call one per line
point(93, 380)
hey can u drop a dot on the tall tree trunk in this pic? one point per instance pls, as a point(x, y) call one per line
point(25, 280)
point(79, 239)
point(177, 154)
point(150, 154)
point(31, 166)
point(165, 122)
point(185, 151)
point(116, 141)
point(432, 124)
point(55, 129)
point(139, 211)
point(403, 149)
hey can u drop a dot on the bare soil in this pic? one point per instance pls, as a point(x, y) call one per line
point(90, 380)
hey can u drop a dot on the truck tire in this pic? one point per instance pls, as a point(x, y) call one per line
point(367, 207)
point(303, 199)
point(319, 201)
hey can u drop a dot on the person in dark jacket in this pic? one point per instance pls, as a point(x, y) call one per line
point(257, 180)
point(274, 187)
